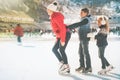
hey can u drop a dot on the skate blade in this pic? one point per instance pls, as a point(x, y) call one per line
point(64, 72)
point(88, 73)
point(83, 73)
point(104, 74)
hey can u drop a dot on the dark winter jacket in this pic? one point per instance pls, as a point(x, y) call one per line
point(101, 38)
point(84, 28)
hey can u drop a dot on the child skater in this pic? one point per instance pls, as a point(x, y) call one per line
point(101, 38)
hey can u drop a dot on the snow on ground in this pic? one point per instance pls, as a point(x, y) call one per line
point(34, 60)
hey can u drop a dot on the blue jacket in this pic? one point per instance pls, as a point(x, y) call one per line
point(84, 28)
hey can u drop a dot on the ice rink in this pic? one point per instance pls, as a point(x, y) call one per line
point(34, 60)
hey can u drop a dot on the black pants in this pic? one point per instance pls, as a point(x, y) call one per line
point(19, 39)
point(102, 57)
point(84, 54)
point(59, 50)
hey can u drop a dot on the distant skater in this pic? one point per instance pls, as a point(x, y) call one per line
point(18, 31)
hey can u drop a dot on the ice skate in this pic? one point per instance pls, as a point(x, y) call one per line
point(87, 70)
point(64, 69)
point(102, 72)
point(80, 69)
point(61, 65)
point(109, 68)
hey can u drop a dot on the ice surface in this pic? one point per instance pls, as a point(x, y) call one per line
point(34, 60)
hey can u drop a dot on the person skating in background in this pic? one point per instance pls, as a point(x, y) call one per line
point(84, 29)
point(102, 42)
point(62, 36)
point(18, 31)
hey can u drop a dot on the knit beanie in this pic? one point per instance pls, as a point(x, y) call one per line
point(53, 7)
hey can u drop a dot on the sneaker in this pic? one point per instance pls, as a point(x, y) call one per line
point(109, 68)
point(87, 70)
point(65, 69)
point(102, 72)
point(80, 69)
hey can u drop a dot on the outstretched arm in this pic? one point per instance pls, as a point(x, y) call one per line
point(75, 25)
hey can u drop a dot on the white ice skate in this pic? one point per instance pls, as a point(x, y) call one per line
point(64, 69)
point(109, 68)
point(61, 65)
point(102, 72)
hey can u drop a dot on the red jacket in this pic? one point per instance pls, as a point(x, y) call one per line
point(18, 31)
point(58, 26)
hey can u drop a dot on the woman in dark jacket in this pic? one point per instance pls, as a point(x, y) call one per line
point(101, 38)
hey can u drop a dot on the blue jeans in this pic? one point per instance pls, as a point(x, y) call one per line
point(102, 57)
point(59, 50)
point(84, 54)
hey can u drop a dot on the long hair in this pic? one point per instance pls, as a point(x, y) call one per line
point(100, 19)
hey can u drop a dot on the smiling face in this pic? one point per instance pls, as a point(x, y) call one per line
point(49, 12)
point(102, 21)
point(83, 14)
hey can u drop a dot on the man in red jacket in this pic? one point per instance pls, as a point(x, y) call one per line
point(18, 31)
point(62, 36)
